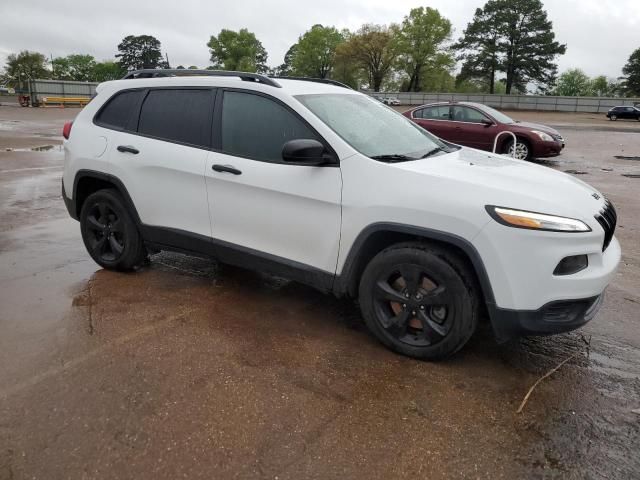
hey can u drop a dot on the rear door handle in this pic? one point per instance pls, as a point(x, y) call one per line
point(125, 148)
point(227, 169)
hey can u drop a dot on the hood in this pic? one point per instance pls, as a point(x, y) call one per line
point(536, 126)
point(488, 179)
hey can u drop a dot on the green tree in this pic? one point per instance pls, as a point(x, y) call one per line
point(314, 54)
point(478, 48)
point(140, 51)
point(514, 37)
point(573, 83)
point(25, 65)
point(602, 86)
point(420, 41)
point(286, 68)
point(373, 50)
point(74, 67)
point(439, 78)
point(632, 75)
point(107, 70)
point(239, 50)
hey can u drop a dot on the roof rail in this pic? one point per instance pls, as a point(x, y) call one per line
point(186, 72)
point(317, 80)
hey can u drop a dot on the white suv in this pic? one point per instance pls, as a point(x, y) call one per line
point(321, 184)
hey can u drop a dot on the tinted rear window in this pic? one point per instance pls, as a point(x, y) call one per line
point(119, 110)
point(182, 116)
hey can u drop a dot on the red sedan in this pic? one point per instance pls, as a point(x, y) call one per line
point(475, 125)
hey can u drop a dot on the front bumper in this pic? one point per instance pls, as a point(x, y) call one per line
point(554, 317)
point(548, 149)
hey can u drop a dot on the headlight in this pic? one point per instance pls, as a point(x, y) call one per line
point(536, 221)
point(545, 137)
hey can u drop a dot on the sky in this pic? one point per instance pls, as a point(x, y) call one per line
point(600, 34)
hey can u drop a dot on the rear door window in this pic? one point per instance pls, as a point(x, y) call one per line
point(119, 112)
point(257, 127)
point(440, 112)
point(180, 116)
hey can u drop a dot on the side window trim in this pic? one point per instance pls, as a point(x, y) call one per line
point(134, 121)
point(217, 126)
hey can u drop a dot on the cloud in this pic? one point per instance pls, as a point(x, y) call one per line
point(600, 35)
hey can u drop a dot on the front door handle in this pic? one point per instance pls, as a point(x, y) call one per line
point(227, 169)
point(125, 148)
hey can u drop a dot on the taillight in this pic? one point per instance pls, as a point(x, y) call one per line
point(66, 130)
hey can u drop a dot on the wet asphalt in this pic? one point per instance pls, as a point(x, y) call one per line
point(191, 369)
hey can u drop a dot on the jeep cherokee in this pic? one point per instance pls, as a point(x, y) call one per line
point(313, 181)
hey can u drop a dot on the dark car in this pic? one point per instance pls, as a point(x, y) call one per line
point(626, 111)
point(475, 125)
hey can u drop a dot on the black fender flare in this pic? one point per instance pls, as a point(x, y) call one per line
point(105, 177)
point(343, 282)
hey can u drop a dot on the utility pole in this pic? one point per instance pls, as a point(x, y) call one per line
point(166, 55)
point(53, 69)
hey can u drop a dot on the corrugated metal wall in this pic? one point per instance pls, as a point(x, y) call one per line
point(60, 88)
point(515, 102)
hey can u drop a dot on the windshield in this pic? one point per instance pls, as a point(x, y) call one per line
point(372, 128)
point(499, 116)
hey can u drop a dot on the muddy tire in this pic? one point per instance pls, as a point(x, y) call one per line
point(523, 149)
point(419, 300)
point(109, 233)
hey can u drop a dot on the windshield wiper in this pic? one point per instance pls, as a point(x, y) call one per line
point(433, 152)
point(393, 157)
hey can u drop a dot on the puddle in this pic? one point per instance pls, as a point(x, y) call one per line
point(42, 148)
point(625, 157)
point(576, 172)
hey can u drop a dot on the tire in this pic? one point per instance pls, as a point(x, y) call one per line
point(523, 151)
point(419, 300)
point(613, 117)
point(109, 233)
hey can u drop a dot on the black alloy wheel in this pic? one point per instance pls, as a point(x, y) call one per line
point(105, 232)
point(109, 233)
point(412, 308)
point(420, 299)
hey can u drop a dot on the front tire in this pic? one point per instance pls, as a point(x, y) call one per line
point(523, 149)
point(109, 233)
point(613, 117)
point(419, 300)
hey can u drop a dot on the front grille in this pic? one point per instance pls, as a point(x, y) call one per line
point(607, 218)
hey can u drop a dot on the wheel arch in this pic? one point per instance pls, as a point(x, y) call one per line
point(87, 182)
point(375, 238)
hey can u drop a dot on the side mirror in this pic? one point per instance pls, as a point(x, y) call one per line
point(304, 152)
point(487, 123)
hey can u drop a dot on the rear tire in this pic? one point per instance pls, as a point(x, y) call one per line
point(419, 300)
point(109, 233)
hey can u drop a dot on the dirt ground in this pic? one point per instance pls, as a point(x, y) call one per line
point(192, 369)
